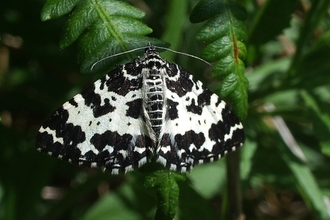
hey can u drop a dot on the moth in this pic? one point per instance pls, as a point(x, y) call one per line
point(147, 109)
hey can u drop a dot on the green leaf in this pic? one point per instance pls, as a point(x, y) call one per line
point(207, 9)
point(124, 203)
point(57, 8)
point(272, 18)
point(318, 10)
point(167, 191)
point(314, 68)
point(106, 27)
point(306, 182)
point(321, 121)
point(209, 188)
point(226, 34)
point(99, 14)
point(174, 25)
point(193, 205)
point(247, 153)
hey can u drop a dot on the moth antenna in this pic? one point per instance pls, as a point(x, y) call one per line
point(181, 53)
point(150, 46)
point(115, 55)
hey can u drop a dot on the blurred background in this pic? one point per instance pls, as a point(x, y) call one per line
point(285, 165)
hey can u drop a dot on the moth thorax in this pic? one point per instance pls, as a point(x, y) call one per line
point(154, 100)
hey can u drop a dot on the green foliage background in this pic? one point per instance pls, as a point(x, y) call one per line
point(284, 162)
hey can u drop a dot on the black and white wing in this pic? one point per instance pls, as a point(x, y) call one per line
point(103, 126)
point(198, 127)
point(144, 110)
